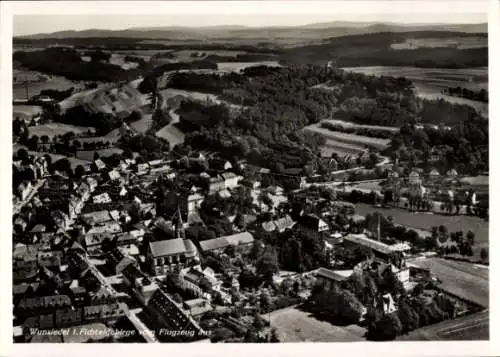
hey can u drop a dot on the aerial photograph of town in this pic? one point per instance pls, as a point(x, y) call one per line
point(220, 180)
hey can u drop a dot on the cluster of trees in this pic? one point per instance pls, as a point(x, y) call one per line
point(481, 95)
point(463, 146)
point(413, 312)
point(148, 146)
point(67, 62)
point(337, 305)
point(374, 133)
point(460, 243)
point(102, 122)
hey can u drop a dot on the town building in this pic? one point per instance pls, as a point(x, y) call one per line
point(312, 225)
point(168, 255)
point(219, 244)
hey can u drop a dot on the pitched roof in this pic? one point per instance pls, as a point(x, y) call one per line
point(333, 275)
point(363, 240)
point(222, 242)
point(167, 247)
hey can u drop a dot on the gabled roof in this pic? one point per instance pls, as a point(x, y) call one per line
point(333, 275)
point(167, 247)
point(222, 242)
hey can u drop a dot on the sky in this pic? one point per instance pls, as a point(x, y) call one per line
point(199, 16)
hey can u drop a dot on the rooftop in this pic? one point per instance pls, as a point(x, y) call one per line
point(171, 247)
point(363, 240)
point(222, 242)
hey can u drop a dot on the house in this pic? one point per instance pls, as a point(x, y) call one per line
point(24, 189)
point(216, 184)
point(92, 182)
point(230, 180)
point(114, 175)
point(166, 255)
point(194, 202)
point(197, 307)
point(417, 191)
point(98, 165)
point(199, 282)
point(219, 244)
point(97, 217)
point(279, 225)
point(102, 198)
point(220, 164)
point(142, 169)
point(414, 178)
point(434, 174)
point(452, 174)
point(387, 304)
point(331, 279)
point(312, 224)
point(20, 224)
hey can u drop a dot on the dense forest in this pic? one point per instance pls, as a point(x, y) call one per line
point(279, 102)
point(68, 63)
point(375, 50)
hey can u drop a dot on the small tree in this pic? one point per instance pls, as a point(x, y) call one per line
point(484, 254)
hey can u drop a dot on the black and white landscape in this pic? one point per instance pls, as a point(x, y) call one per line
point(321, 183)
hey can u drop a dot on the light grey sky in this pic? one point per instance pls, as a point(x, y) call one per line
point(32, 24)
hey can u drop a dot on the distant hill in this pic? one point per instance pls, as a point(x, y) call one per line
point(312, 31)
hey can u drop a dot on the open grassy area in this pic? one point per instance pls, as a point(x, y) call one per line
point(426, 221)
point(295, 325)
point(238, 66)
point(462, 279)
point(52, 129)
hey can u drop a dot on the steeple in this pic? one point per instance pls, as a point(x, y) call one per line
point(179, 225)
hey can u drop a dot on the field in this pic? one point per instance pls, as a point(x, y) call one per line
point(52, 129)
point(25, 111)
point(427, 221)
point(458, 42)
point(170, 132)
point(119, 60)
point(343, 143)
point(144, 124)
point(460, 278)
point(347, 124)
point(88, 155)
point(294, 325)
point(473, 327)
point(238, 66)
point(429, 82)
point(34, 88)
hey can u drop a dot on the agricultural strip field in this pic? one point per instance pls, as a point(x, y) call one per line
point(295, 325)
point(343, 143)
point(427, 221)
point(52, 129)
point(472, 327)
point(462, 279)
point(347, 124)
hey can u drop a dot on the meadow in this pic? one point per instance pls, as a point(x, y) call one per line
point(454, 42)
point(426, 221)
point(52, 129)
point(238, 66)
